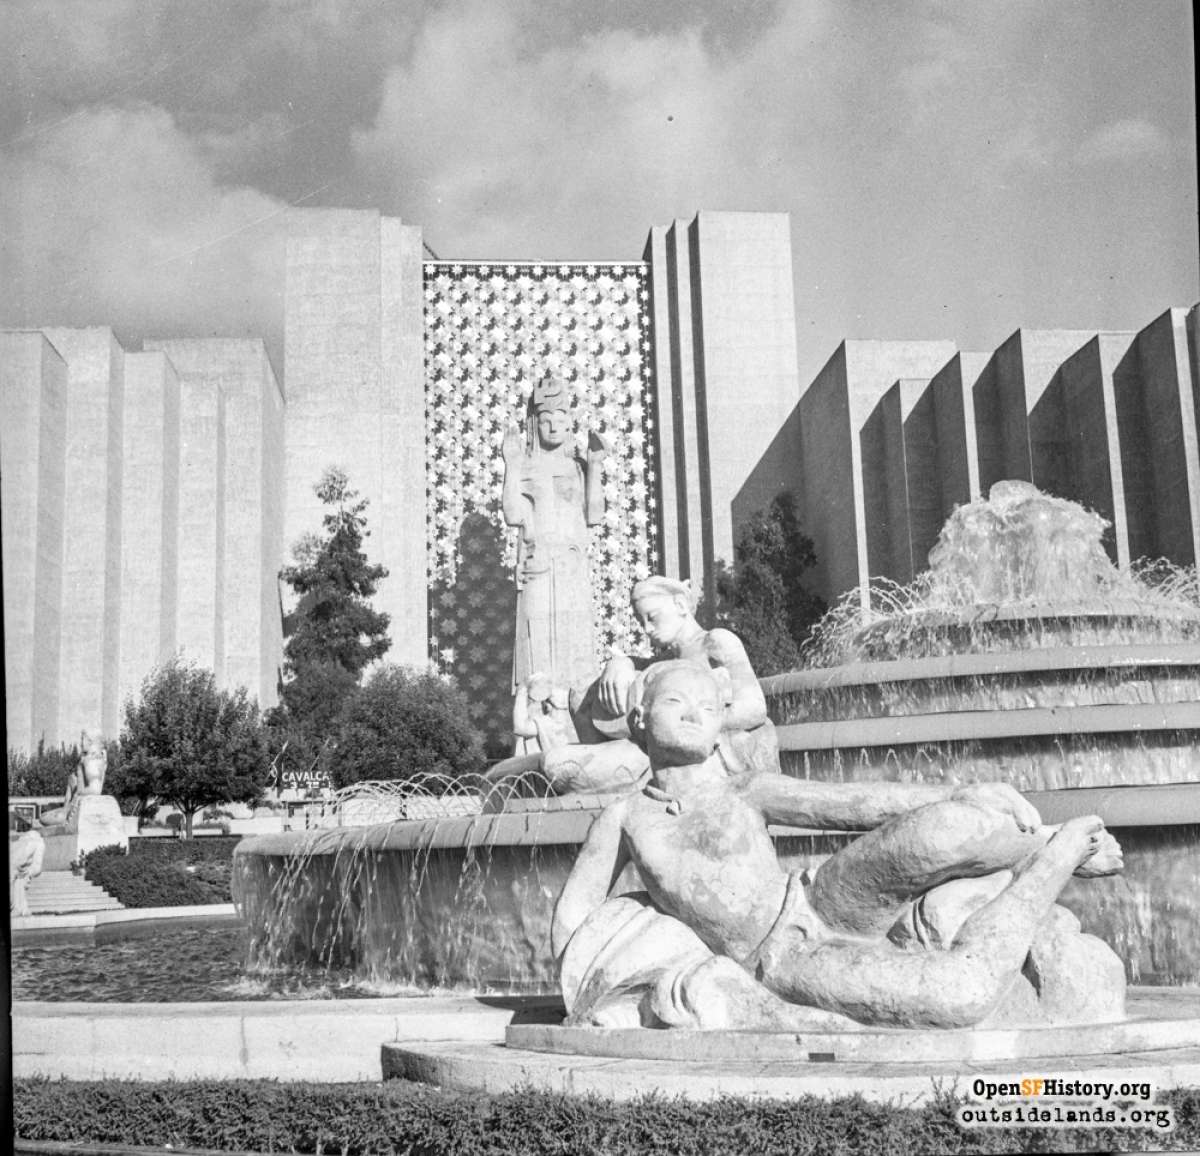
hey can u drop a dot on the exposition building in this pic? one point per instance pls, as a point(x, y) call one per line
point(151, 496)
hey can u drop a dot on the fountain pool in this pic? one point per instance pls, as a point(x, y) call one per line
point(1022, 655)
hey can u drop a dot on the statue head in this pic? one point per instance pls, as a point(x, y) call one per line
point(550, 409)
point(91, 742)
point(680, 712)
point(664, 607)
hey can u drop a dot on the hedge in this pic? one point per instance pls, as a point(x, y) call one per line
point(268, 1117)
point(165, 872)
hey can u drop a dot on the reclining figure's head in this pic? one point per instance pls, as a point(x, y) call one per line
point(680, 713)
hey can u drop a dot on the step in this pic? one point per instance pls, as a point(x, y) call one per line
point(60, 892)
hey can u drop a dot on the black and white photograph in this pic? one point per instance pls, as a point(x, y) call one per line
point(606, 576)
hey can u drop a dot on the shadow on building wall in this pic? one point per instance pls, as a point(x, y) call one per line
point(472, 620)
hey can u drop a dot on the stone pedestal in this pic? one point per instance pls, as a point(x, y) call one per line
point(99, 823)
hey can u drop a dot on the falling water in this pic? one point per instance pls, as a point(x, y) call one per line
point(1023, 655)
point(1066, 671)
point(415, 885)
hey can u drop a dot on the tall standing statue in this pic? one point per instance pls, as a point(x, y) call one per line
point(552, 493)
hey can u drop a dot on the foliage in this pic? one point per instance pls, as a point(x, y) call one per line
point(172, 874)
point(265, 1116)
point(190, 745)
point(334, 634)
point(44, 772)
point(762, 599)
point(406, 723)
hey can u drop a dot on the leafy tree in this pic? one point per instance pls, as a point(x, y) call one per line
point(191, 745)
point(762, 598)
point(334, 633)
point(44, 772)
point(404, 724)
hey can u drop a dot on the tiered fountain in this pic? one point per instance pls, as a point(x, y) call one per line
point(1022, 655)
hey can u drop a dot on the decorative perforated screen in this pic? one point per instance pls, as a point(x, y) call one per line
point(491, 331)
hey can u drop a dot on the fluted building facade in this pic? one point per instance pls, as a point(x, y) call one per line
point(151, 496)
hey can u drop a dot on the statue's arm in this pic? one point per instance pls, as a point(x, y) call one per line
point(839, 806)
point(513, 503)
point(748, 705)
point(593, 479)
point(865, 806)
point(601, 859)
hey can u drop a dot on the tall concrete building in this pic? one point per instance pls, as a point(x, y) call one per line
point(142, 518)
point(891, 436)
point(151, 496)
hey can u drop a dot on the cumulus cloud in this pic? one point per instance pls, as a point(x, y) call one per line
point(503, 147)
point(114, 217)
point(1129, 139)
point(928, 151)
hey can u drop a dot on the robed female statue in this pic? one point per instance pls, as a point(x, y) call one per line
point(552, 494)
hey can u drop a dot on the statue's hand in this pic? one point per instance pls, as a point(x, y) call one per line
point(513, 446)
point(597, 444)
point(615, 681)
point(1001, 797)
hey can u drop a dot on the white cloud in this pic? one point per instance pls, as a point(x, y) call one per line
point(1132, 138)
point(114, 217)
point(501, 149)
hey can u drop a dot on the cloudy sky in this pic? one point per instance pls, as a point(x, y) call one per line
point(952, 169)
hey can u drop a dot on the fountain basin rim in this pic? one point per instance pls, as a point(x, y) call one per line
point(968, 725)
point(972, 665)
point(440, 834)
point(1131, 805)
point(1151, 1025)
point(1037, 611)
point(517, 829)
point(100, 927)
point(1128, 805)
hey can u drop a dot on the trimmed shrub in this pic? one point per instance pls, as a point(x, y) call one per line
point(165, 872)
point(263, 1116)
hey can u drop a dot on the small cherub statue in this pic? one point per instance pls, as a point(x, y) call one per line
point(542, 716)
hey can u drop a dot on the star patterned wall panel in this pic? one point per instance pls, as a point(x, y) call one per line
point(491, 332)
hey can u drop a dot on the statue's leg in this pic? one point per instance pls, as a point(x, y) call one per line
point(863, 887)
point(874, 982)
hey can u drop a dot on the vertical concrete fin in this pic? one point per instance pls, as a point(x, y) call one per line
point(671, 518)
point(703, 455)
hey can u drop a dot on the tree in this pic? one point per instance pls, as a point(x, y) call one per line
point(334, 632)
point(762, 598)
point(404, 724)
point(191, 745)
point(44, 772)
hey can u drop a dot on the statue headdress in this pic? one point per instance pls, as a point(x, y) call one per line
point(550, 393)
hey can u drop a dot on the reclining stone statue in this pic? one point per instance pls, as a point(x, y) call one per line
point(942, 914)
point(86, 779)
point(605, 759)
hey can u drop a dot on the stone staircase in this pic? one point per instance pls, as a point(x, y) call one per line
point(58, 892)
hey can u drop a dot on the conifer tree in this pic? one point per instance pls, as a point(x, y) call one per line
point(334, 633)
point(762, 597)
